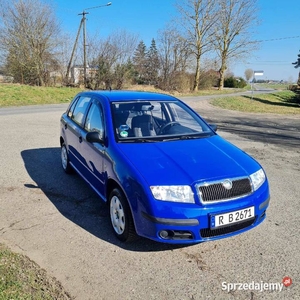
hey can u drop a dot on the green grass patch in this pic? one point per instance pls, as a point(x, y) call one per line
point(275, 86)
point(18, 95)
point(284, 102)
point(22, 279)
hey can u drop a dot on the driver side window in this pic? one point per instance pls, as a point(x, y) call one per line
point(94, 119)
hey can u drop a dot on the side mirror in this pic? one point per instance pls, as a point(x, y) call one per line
point(95, 137)
point(214, 127)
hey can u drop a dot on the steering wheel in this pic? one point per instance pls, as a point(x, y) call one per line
point(169, 124)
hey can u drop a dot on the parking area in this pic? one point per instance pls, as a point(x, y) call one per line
point(59, 222)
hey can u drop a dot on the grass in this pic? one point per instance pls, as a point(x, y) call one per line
point(275, 86)
point(22, 279)
point(18, 95)
point(281, 102)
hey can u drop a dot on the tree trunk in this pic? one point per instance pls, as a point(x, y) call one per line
point(222, 76)
point(197, 76)
point(221, 80)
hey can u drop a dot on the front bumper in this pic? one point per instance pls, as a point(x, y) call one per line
point(188, 225)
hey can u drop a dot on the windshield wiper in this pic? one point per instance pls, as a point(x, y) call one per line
point(158, 138)
point(138, 140)
point(145, 140)
point(186, 137)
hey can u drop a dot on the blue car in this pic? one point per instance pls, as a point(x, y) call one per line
point(163, 171)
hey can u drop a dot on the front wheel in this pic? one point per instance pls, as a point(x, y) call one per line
point(120, 216)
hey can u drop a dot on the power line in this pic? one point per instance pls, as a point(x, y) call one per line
point(281, 38)
point(266, 63)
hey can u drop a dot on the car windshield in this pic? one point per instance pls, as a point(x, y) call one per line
point(150, 121)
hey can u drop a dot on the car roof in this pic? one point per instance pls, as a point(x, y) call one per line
point(121, 96)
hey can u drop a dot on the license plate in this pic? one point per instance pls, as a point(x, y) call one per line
point(232, 217)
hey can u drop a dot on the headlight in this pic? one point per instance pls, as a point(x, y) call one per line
point(174, 193)
point(258, 178)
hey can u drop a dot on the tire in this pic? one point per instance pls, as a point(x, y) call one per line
point(65, 162)
point(120, 216)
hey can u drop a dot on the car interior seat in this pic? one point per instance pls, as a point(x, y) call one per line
point(143, 125)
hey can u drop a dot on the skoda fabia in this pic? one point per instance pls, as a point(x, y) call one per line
point(163, 171)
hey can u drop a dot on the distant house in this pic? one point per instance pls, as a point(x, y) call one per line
point(77, 73)
point(6, 79)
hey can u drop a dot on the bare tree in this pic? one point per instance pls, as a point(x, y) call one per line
point(249, 74)
point(197, 20)
point(174, 58)
point(232, 38)
point(112, 59)
point(28, 39)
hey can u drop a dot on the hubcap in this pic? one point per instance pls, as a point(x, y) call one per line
point(117, 215)
point(64, 157)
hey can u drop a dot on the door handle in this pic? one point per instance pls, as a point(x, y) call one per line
point(66, 126)
point(80, 139)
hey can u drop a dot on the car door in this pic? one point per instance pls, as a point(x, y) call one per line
point(94, 153)
point(74, 131)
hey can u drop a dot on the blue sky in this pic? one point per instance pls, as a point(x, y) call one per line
point(279, 29)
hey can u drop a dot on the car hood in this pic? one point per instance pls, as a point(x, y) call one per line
point(188, 161)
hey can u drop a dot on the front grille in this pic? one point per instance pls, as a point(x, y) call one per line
point(215, 191)
point(207, 232)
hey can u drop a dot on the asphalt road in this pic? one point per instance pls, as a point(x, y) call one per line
point(275, 129)
point(60, 223)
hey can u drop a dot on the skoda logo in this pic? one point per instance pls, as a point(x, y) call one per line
point(227, 184)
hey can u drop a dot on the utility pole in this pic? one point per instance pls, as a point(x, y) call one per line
point(83, 26)
point(84, 46)
point(73, 51)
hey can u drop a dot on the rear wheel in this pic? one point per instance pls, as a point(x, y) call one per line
point(65, 162)
point(120, 216)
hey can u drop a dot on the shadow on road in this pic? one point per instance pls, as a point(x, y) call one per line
point(278, 139)
point(75, 200)
point(284, 134)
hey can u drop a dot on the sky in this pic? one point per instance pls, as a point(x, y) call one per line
point(279, 30)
